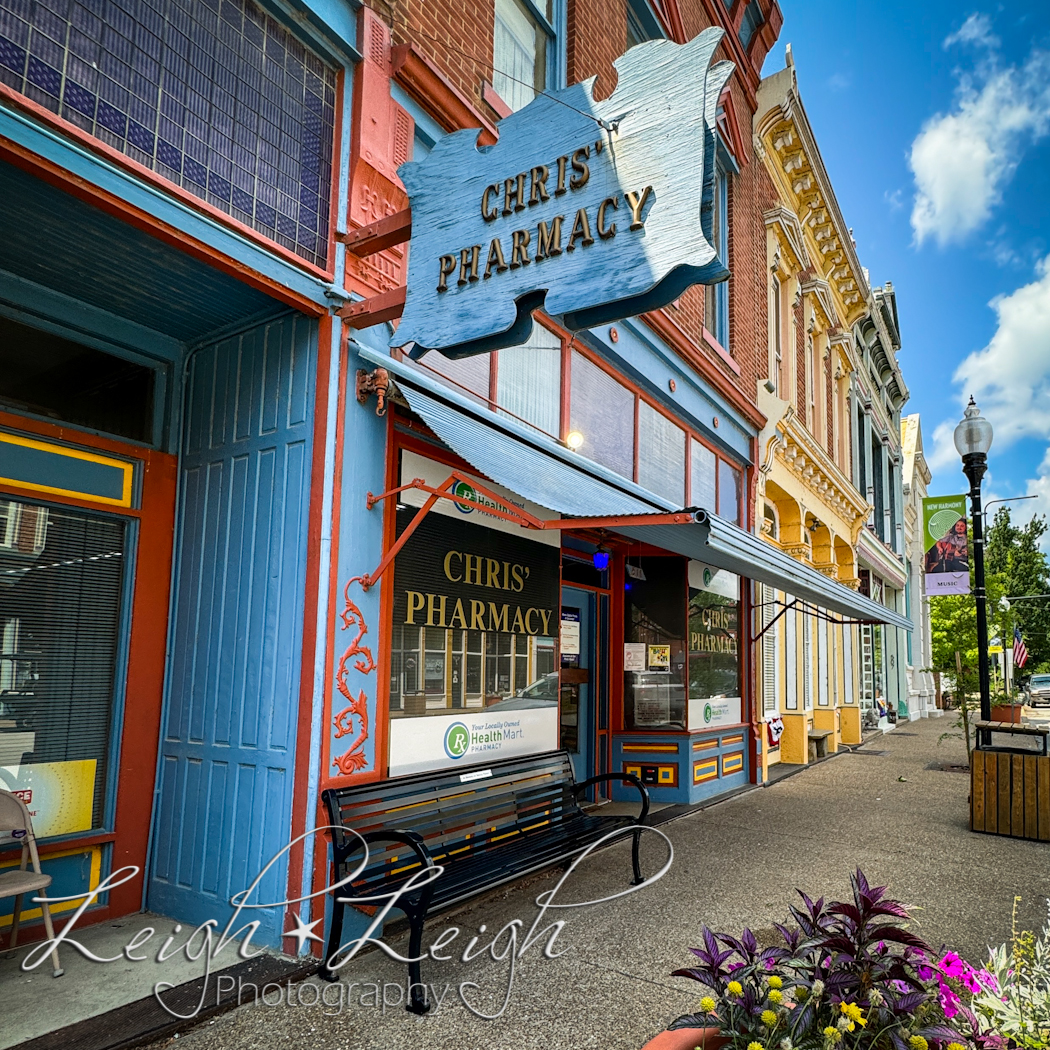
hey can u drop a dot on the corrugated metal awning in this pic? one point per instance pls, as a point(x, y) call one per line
point(542, 471)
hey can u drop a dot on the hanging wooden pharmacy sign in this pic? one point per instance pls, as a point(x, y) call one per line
point(593, 211)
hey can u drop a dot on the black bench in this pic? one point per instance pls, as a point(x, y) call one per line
point(485, 825)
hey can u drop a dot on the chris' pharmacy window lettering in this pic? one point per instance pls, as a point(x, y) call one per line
point(474, 620)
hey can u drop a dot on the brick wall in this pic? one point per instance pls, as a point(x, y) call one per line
point(456, 36)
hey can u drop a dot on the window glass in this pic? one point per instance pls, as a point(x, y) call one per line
point(217, 97)
point(716, 296)
point(750, 23)
point(775, 337)
point(655, 617)
point(730, 500)
point(602, 411)
point(58, 378)
point(519, 63)
point(61, 584)
point(467, 374)
point(528, 381)
point(703, 466)
point(661, 455)
point(714, 639)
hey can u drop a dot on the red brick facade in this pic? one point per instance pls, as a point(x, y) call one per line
point(453, 39)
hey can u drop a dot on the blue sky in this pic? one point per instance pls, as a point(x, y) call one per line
point(934, 123)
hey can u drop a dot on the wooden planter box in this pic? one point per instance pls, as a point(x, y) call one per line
point(1007, 713)
point(1010, 794)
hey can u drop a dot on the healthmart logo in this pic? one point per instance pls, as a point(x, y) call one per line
point(457, 740)
point(465, 491)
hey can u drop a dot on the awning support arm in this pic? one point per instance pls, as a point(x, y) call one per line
point(810, 609)
point(497, 507)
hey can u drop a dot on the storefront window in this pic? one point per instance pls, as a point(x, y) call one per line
point(714, 647)
point(655, 644)
point(61, 585)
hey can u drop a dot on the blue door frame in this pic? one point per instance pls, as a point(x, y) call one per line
point(577, 727)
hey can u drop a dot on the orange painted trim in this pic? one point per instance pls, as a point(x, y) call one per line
point(301, 783)
point(333, 193)
point(140, 219)
point(413, 69)
point(687, 348)
point(86, 841)
point(386, 608)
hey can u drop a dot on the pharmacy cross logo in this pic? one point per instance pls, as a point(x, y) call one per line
point(463, 489)
point(457, 740)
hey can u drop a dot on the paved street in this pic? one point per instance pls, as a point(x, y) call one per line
point(736, 863)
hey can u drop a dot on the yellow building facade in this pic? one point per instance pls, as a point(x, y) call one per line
point(807, 502)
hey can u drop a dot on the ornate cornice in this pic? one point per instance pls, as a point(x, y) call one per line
point(819, 474)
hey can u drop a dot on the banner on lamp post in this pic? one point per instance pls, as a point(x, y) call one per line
point(946, 549)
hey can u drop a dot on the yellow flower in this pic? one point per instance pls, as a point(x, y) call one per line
point(832, 1034)
point(776, 997)
point(775, 982)
point(755, 1046)
point(735, 988)
point(855, 1013)
point(916, 1042)
point(769, 1018)
point(955, 1046)
point(707, 1004)
point(801, 992)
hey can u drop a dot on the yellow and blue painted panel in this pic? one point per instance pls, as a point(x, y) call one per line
point(683, 768)
point(72, 871)
point(62, 470)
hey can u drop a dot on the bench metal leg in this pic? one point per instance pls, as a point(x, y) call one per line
point(335, 936)
point(638, 879)
point(417, 1002)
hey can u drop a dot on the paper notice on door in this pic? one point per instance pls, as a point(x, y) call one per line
point(570, 634)
point(634, 656)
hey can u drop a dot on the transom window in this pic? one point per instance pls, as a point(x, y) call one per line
point(215, 95)
point(573, 397)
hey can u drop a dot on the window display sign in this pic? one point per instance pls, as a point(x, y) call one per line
point(633, 656)
point(659, 657)
point(594, 210)
point(714, 643)
point(946, 545)
point(470, 738)
point(60, 796)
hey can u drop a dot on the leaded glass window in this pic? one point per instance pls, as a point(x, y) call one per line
point(212, 94)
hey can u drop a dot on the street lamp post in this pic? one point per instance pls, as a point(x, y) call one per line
point(973, 439)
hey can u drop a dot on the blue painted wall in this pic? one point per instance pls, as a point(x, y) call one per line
point(224, 788)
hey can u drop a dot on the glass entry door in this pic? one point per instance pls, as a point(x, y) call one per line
point(578, 666)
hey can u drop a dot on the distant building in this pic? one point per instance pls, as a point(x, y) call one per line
point(921, 691)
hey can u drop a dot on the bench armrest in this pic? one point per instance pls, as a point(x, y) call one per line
point(627, 778)
point(409, 838)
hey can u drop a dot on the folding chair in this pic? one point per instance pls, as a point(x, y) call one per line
point(16, 826)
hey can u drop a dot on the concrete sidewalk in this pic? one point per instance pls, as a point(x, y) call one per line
point(735, 864)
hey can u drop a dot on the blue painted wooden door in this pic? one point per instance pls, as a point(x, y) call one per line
point(224, 788)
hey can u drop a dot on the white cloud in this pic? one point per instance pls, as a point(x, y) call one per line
point(962, 160)
point(1010, 377)
point(977, 29)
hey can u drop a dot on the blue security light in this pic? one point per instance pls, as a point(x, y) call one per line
point(601, 559)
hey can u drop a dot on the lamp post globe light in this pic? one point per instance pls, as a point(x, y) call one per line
point(973, 439)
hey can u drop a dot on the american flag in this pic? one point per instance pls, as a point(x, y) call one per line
point(1020, 652)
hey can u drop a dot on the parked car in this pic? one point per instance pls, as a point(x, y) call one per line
point(1039, 690)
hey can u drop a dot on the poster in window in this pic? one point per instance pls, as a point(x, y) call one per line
point(60, 796)
point(659, 658)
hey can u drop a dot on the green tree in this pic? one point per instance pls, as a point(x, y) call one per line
point(1015, 555)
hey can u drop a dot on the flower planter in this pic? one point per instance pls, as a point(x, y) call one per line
point(1007, 712)
point(687, 1039)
